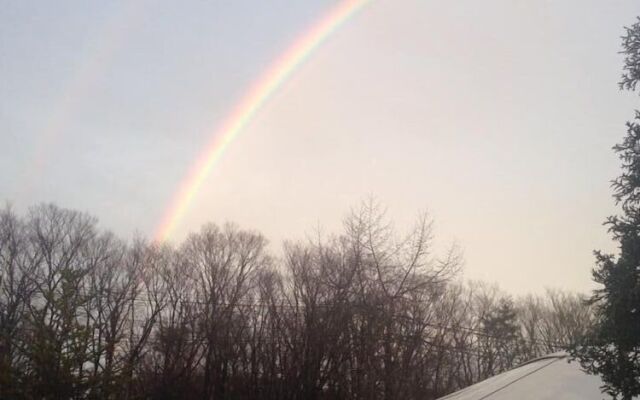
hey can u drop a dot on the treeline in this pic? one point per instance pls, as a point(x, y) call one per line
point(367, 314)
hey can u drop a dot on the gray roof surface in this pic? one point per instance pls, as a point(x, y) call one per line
point(549, 377)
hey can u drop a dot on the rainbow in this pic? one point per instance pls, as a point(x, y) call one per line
point(109, 40)
point(244, 112)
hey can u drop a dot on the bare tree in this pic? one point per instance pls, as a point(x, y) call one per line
point(223, 263)
point(366, 314)
point(16, 291)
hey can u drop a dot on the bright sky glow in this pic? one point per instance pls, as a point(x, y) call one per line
point(496, 116)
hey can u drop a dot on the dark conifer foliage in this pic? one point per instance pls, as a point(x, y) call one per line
point(612, 349)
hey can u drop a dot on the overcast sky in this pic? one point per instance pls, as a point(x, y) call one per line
point(495, 116)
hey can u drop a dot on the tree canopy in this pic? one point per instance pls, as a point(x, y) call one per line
point(612, 348)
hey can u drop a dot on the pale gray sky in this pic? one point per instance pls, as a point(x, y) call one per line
point(496, 116)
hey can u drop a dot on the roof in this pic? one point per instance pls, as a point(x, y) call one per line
point(551, 377)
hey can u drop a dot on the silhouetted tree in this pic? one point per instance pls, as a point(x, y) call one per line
point(612, 349)
point(364, 314)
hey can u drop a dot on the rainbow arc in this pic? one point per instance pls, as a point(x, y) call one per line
point(244, 112)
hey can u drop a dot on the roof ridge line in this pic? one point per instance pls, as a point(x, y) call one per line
point(557, 355)
point(553, 359)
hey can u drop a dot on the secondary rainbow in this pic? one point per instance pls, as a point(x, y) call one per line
point(247, 108)
point(80, 89)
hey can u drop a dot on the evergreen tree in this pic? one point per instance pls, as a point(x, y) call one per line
point(499, 341)
point(612, 348)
